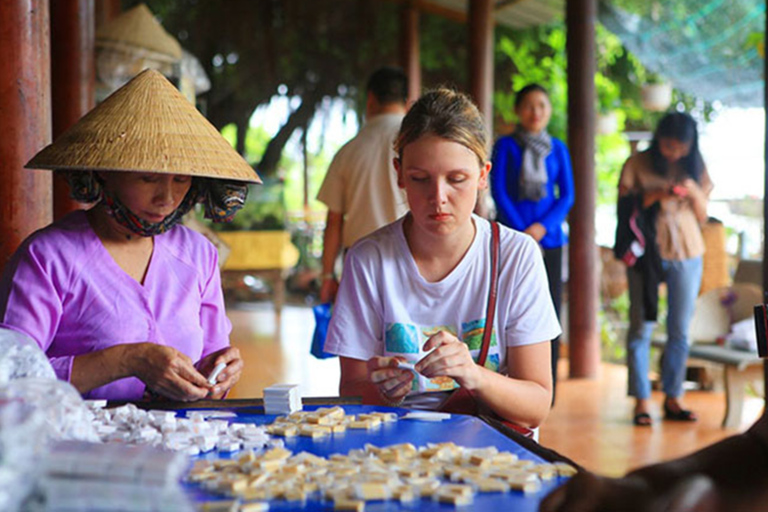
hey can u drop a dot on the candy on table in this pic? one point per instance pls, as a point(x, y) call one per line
point(325, 421)
point(282, 399)
point(444, 472)
point(200, 431)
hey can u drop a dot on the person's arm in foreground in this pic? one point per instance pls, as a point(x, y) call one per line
point(730, 475)
point(334, 226)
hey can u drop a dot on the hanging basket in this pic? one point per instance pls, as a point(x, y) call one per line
point(607, 123)
point(656, 97)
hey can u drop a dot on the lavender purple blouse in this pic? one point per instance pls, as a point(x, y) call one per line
point(64, 290)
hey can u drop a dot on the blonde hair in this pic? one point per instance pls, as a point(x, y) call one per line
point(447, 114)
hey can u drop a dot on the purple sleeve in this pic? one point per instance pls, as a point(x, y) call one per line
point(30, 302)
point(213, 317)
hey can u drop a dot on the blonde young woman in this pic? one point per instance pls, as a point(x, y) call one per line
point(125, 302)
point(416, 290)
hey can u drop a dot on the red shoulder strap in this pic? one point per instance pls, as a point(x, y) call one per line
point(490, 312)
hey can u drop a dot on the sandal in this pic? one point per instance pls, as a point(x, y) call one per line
point(679, 415)
point(642, 419)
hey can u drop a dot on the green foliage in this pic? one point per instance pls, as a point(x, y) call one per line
point(611, 152)
point(538, 56)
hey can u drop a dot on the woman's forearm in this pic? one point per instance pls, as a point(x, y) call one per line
point(653, 196)
point(524, 402)
point(96, 369)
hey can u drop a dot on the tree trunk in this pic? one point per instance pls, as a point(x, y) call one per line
point(298, 118)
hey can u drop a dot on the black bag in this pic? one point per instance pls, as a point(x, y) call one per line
point(636, 246)
point(630, 238)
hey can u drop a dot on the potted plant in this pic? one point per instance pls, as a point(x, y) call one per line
point(607, 122)
point(656, 93)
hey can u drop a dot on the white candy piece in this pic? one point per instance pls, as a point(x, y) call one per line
point(215, 373)
point(426, 416)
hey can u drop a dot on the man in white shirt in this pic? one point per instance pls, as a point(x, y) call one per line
point(360, 189)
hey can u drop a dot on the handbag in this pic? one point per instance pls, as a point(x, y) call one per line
point(462, 401)
point(322, 320)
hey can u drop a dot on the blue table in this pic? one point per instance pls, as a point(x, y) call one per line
point(461, 430)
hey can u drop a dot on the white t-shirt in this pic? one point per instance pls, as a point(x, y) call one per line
point(385, 307)
point(361, 183)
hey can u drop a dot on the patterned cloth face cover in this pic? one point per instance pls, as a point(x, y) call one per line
point(220, 198)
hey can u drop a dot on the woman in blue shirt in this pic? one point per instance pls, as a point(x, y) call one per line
point(532, 185)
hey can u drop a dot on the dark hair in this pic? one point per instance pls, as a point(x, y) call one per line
point(447, 114)
point(525, 91)
point(679, 126)
point(388, 85)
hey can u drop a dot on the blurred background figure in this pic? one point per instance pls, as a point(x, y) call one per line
point(360, 188)
point(671, 185)
point(532, 185)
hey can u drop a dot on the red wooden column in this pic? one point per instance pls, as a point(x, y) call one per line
point(106, 10)
point(73, 78)
point(410, 54)
point(583, 331)
point(25, 120)
point(481, 57)
point(480, 23)
point(765, 186)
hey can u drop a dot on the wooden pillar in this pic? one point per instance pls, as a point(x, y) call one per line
point(481, 57)
point(410, 54)
point(765, 186)
point(106, 10)
point(25, 120)
point(583, 331)
point(480, 23)
point(72, 78)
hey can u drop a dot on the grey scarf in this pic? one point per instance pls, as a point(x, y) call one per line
point(533, 172)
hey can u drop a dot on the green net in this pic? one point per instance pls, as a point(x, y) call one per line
point(709, 48)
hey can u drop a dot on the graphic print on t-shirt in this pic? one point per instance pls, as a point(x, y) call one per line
point(407, 340)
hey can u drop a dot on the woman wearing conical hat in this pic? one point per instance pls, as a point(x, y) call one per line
point(122, 298)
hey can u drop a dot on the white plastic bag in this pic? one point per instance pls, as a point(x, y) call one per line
point(21, 357)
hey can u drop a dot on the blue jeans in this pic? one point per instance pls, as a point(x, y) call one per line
point(683, 280)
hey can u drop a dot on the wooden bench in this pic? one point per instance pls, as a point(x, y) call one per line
point(739, 369)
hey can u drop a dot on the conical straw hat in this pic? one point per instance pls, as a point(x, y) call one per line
point(138, 28)
point(145, 126)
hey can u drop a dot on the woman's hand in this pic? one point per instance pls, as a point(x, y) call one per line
point(228, 376)
point(697, 197)
point(392, 383)
point(166, 371)
point(537, 231)
point(328, 290)
point(450, 357)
